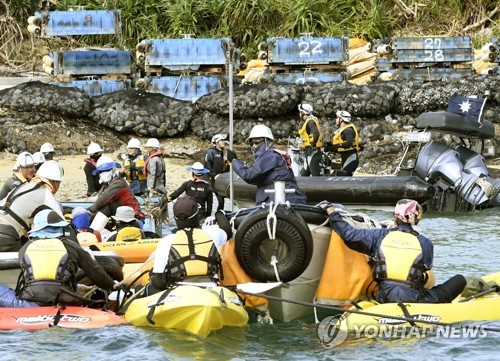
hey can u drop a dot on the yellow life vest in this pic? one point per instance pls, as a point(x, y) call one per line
point(337, 138)
point(308, 138)
point(139, 163)
point(193, 254)
point(44, 259)
point(400, 258)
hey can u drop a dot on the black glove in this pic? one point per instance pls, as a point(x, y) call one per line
point(231, 155)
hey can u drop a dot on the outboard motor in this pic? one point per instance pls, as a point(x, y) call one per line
point(463, 170)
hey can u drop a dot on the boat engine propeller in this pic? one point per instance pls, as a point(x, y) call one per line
point(461, 170)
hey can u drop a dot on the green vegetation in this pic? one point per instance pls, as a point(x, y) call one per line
point(248, 22)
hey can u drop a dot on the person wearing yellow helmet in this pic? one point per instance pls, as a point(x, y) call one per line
point(402, 256)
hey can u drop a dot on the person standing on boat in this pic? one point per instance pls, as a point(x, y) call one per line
point(25, 169)
point(402, 256)
point(94, 151)
point(178, 255)
point(113, 194)
point(49, 263)
point(47, 150)
point(154, 168)
point(312, 141)
point(20, 205)
point(345, 141)
point(134, 168)
point(216, 164)
point(198, 189)
point(270, 165)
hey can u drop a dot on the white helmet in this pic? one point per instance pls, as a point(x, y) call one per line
point(217, 137)
point(134, 143)
point(94, 148)
point(39, 157)
point(51, 170)
point(197, 168)
point(25, 159)
point(105, 163)
point(153, 143)
point(46, 148)
point(344, 115)
point(261, 131)
point(306, 108)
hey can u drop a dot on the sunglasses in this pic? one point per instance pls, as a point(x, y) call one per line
point(256, 141)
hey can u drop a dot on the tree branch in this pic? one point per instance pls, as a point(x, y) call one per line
point(404, 8)
point(482, 21)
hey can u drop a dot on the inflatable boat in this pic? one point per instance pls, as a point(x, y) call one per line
point(442, 178)
point(482, 308)
point(198, 310)
point(36, 318)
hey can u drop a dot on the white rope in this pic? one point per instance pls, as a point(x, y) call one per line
point(272, 222)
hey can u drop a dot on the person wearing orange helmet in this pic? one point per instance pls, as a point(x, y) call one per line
point(402, 256)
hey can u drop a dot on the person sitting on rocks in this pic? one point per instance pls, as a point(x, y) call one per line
point(94, 151)
point(128, 228)
point(198, 189)
point(25, 169)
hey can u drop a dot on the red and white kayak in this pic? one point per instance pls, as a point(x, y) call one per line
point(37, 318)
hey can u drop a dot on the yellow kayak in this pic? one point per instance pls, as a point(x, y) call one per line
point(484, 308)
point(198, 310)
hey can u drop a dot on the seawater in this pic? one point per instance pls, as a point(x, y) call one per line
point(463, 243)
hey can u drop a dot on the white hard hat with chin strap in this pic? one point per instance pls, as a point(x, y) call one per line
point(94, 148)
point(261, 131)
point(344, 115)
point(134, 143)
point(46, 148)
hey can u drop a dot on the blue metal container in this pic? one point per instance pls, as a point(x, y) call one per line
point(307, 50)
point(96, 87)
point(81, 22)
point(189, 88)
point(92, 62)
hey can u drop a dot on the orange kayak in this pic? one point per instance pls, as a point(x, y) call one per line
point(131, 252)
point(37, 318)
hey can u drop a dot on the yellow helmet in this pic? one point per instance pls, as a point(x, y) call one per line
point(128, 234)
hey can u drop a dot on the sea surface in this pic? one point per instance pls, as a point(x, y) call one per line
point(463, 243)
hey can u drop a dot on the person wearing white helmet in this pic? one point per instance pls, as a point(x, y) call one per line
point(154, 168)
point(197, 188)
point(345, 141)
point(94, 151)
point(216, 163)
point(312, 141)
point(47, 150)
point(270, 165)
point(17, 209)
point(25, 169)
point(115, 191)
point(403, 257)
point(133, 165)
point(39, 159)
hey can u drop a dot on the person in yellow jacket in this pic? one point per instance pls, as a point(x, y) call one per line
point(133, 165)
point(312, 141)
point(192, 252)
point(345, 141)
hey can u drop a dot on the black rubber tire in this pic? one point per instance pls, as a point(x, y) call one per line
point(295, 244)
point(112, 265)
